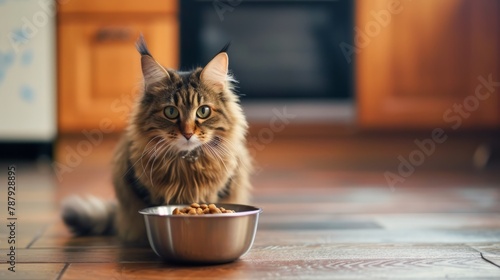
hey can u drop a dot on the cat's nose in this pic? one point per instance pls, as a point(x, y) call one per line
point(187, 135)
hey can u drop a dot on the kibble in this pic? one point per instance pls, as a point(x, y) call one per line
point(195, 205)
point(201, 209)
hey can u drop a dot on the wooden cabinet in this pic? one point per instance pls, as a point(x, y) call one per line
point(422, 64)
point(98, 66)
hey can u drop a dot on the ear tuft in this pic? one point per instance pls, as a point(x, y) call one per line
point(226, 47)
point(215, 72)
point(152, 71)
point(141, 46)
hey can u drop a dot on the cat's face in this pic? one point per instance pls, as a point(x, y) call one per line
point(186, 113)
point(182, 111)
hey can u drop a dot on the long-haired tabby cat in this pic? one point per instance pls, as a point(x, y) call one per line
point(185, 143)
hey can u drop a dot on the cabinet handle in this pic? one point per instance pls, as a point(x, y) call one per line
point(113, 34)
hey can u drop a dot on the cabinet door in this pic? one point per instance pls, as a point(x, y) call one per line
point(99, 68)
point(422, 64)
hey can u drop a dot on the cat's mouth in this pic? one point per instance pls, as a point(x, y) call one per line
point(185, 145)
point(190, 151)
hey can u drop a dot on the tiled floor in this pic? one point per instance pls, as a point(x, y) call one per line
point(328, 213)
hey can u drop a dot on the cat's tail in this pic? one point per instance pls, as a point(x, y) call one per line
point(89, 215)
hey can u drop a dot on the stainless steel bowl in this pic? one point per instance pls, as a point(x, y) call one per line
point(211, 238)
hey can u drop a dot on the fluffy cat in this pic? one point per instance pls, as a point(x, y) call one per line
point(185, 143)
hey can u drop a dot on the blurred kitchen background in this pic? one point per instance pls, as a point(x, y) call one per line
point(373, 72)
point(374, 125)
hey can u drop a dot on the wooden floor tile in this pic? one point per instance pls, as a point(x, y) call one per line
point(490, 252)
point(437, 236)
point(32, 271)
point(438, 221)
point(57, 235)
point(83, 255)
point(25, 233)
point(338, 251)
point(328, 213)
point(437, 268)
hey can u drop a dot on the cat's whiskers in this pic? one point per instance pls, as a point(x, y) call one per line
point(224, 150)
point(155, 150)
point(148, 154)
point(216, 155)
point(225, 142)
point(166, 154)
point(147, 151)
point(224, 146)
point(156, 155)
point(142, 155)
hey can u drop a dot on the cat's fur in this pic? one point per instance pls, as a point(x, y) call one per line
point(172, 161)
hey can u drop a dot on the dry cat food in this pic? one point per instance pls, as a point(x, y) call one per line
point(201, 209)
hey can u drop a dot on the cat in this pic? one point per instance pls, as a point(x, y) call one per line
point(185, 142)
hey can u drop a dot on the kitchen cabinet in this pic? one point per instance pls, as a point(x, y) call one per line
point(99, 72)
point(427, 64)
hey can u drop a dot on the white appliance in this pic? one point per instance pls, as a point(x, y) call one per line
point(27, 71)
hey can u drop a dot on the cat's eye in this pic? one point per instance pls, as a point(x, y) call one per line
point(203, 112)
point(171, 112)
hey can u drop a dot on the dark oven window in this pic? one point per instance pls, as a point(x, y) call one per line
point(279, 49)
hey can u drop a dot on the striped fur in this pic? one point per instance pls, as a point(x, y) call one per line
point(155, 147)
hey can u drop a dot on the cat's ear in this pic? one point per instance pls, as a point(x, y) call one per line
point(215, 73)
point(152, 71)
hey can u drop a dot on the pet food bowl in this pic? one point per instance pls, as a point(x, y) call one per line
point(210, 238)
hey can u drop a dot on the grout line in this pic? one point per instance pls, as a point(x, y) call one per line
point(62, 271)
point(37, 236)
point(485, 259)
